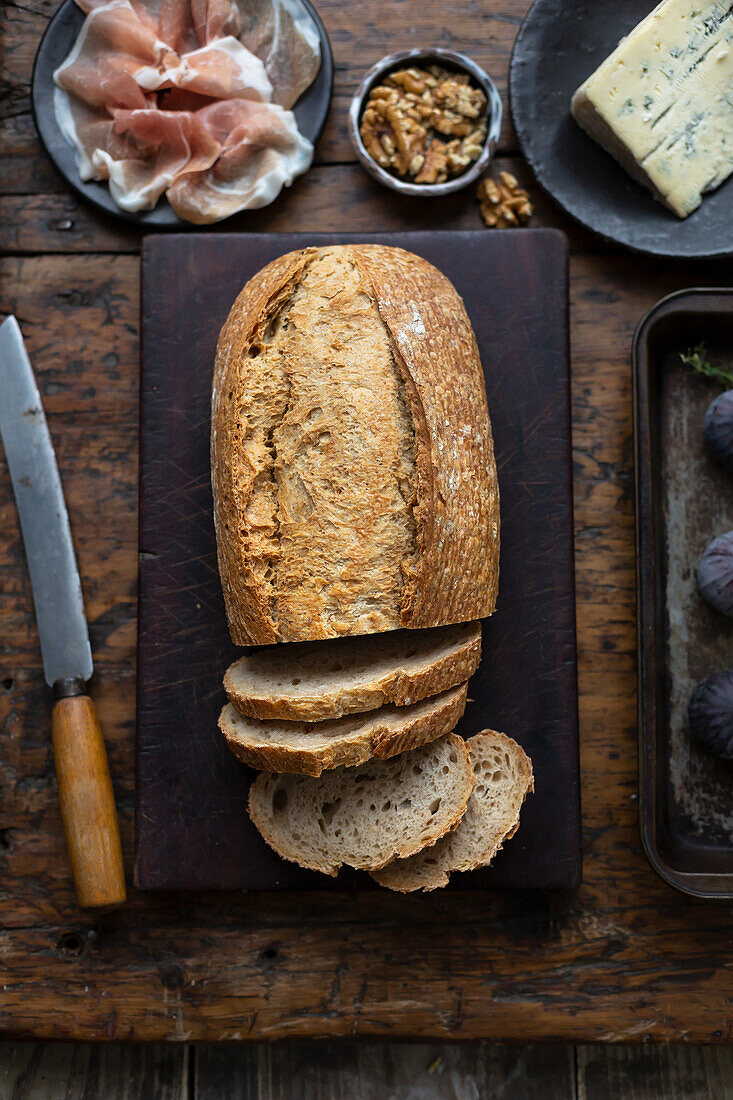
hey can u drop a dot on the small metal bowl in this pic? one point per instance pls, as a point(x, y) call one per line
point(448, 59)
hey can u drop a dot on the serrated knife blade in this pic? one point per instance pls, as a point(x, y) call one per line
point(44, 521)
point(84, 784)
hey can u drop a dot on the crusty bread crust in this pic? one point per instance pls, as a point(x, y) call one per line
point(338, 786)
point(457, 510)
point(400, 679)
point(453, 574)
point(250, 620)
point(310, 748)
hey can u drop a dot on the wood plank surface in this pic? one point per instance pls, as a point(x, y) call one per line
point(364, 1070)
point(76, 1071)
point(654, 1073)
point(623, 958)
point(51, 222)
point(601, 964)
point(383, 1071)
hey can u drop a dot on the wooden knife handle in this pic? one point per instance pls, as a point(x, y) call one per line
point(87, 801)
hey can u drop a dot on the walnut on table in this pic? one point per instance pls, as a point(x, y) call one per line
point(504, 203)
point(407, 117)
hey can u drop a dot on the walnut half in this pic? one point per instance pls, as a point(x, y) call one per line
point(504, 204)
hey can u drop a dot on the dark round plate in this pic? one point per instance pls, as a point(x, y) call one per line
point(559, 44)
point(311, 111)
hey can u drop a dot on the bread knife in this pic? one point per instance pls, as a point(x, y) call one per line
point(85, 789)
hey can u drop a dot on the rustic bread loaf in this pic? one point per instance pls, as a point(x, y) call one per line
point(367, 816)
point(313, 747)
point(353, 471)
point(314, 681)
point(504, 777)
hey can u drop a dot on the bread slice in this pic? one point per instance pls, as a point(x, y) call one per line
point(310, 748)
point(503, 779)
point(314, 681)
point(368, 816)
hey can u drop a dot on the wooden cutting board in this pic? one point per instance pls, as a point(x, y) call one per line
point(192, 830)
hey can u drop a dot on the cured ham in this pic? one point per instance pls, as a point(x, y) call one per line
point(84, 127)
point(222, 70)
point(262, 151)
point(112, 47)
point(150, 150)
point(170, 20)
point(187, 98)
point(281, 33)
point(215, 19)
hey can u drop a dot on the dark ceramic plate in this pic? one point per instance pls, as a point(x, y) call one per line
point(311, 111)
point(559, 44)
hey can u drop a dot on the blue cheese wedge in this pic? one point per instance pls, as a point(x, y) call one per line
point(662, 103)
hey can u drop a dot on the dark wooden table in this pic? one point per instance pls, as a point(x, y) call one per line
point(623, 958)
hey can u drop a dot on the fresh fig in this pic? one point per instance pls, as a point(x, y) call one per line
point(715, 574)
point(711, 714)
point(719, 429)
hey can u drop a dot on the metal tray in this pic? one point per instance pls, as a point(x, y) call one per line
point(683, 499)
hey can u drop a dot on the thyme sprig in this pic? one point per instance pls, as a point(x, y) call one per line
point(697, 358)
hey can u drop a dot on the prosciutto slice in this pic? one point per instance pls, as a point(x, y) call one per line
point(222, 70)
point(283, 35)
point(279, 32)
point(170, 20)
point(187, 97)
point(150, 150)
point(215, 19)
point(262, 152)
point(112, 47)
point(86, 128)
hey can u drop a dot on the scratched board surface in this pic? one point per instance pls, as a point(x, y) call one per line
point(192, 831)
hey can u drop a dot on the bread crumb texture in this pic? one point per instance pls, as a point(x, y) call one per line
point(366, 816)
point(352, 464)
point(503, 779)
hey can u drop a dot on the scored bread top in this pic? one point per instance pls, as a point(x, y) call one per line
point(503, 774)
point(366, 816)
point(354, 481)
point(314, 681)
point(313, 747)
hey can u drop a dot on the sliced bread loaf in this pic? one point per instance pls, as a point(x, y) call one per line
point(503, 779)
point(314, 681)
point(368, 816)
point(310, 748)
